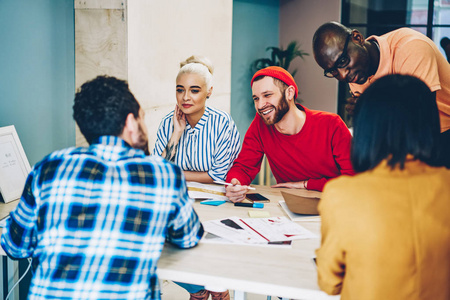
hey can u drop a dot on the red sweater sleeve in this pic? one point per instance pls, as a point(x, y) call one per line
point(248, 163)
point(341, 144)
point(317, 184)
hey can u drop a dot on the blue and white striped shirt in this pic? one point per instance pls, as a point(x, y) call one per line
point(95, 221)
point(211, 146)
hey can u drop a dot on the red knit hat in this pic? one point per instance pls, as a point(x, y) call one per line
point(278, 73)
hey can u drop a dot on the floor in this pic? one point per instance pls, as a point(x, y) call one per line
point(171, 291)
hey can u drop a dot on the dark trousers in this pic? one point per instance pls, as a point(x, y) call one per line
point(445, 148)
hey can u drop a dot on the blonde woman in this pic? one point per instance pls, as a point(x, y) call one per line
point(202, 140)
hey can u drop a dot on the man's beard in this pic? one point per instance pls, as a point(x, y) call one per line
point(280, 111)
point(142, 142)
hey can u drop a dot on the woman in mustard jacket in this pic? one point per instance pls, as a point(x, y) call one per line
point(386, 230)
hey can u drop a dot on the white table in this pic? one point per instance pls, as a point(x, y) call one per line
point(287, 273)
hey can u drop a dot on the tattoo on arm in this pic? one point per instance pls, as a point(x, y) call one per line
point(171, 151)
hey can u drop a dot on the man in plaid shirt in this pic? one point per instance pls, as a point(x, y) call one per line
point(95, 219)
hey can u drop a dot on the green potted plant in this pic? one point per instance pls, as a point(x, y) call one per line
point(280, 57)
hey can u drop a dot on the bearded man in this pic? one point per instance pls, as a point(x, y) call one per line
point(305, 148)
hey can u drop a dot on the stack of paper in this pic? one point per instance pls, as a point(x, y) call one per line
point(257, 231)
point(200, 191)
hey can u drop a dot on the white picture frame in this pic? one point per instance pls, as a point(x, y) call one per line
point(14, 165)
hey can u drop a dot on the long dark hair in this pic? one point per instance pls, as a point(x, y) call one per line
point(397, 115)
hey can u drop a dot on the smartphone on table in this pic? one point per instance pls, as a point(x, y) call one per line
point(257, 197)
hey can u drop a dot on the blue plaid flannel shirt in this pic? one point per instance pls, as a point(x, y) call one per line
point(95, 221)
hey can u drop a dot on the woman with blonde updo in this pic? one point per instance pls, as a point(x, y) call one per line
point(202, 140)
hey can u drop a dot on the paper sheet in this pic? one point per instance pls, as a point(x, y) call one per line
point(210, 238)
point(278, 229)
point(257, 231)
point(202, 191)
point(258, 214)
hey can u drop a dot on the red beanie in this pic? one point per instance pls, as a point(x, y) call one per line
point(278, 73)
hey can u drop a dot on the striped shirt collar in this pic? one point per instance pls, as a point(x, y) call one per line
point(203, 120)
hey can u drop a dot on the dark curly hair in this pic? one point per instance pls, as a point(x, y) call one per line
point(102, 105)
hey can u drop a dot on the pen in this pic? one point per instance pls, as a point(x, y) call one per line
point(226, 183)
point(254, 205)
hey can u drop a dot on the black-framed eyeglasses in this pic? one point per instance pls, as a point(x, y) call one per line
point(342, 61)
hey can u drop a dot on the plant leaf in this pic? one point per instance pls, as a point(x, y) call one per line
point(281, 57)
point(261, 63)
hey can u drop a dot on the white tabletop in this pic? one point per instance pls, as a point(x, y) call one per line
point(285, 272)
point(282, 272)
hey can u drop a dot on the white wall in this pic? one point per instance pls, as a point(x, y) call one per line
point(161, 34)
point(144, 42)
point(299, 19)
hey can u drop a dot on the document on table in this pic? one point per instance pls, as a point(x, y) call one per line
point(202, 191)
point(257, 231)
point(210, 238)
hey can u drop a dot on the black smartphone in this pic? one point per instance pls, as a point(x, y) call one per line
point(257, 197)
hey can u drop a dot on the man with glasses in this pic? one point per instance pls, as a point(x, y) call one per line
point(305, 148)
point(346, 55)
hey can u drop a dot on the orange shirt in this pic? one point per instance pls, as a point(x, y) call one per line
point(406, 51)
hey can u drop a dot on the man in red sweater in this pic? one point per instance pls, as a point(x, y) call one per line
point(305, 148)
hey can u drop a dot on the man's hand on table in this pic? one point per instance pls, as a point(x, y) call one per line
point(236, 192)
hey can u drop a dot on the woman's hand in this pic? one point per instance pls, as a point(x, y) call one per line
point(179, 124)
point(179, 121)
